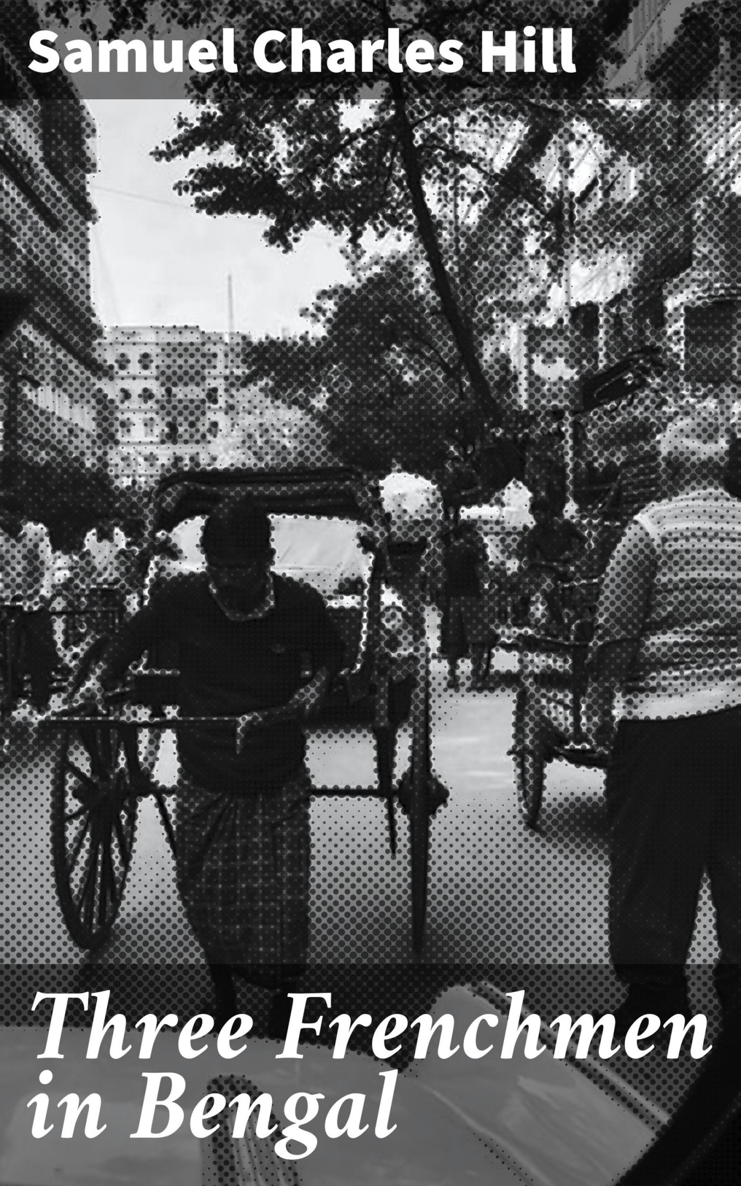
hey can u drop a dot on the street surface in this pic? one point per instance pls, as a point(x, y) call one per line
point(498, 892)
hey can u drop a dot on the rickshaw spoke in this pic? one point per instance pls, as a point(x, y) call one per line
point(72, 857)
point(102, 759)
point(123, 844)
point(87, 893)
point(166, 821)
point(83, 777)
point(73, 815)
point(108, 888)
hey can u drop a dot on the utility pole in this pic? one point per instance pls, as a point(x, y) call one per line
point(568, 243)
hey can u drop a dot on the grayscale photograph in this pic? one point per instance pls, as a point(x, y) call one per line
point(370, 625)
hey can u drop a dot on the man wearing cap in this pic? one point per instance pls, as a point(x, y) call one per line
point(668, 631)
point(248, 639)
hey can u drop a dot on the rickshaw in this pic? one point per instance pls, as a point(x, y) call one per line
point(102, 772)
point(548, 714)
point(552, 681)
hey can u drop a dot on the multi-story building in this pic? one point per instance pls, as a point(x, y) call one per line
point(652, 27)
point(650, 221)
point(700, 73)
point(184, 399)
point(167, 389)
point(52, 376)
point(656, 224)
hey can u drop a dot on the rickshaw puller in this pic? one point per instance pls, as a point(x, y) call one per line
point(246, 638)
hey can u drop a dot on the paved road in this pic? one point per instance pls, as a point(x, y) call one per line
point(498, 892)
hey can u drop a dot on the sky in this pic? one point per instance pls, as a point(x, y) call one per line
point(155, 261)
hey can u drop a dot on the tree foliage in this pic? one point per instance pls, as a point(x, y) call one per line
point(376, 155)
point(381, 373)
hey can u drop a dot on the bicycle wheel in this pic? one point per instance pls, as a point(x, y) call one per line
point(93, 825)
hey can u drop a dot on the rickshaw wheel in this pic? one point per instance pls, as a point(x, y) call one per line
point(420, 846)
point(419, 815)
point(529, 757)
point(93, 825)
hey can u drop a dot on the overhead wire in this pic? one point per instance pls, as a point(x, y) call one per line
point(326, 236)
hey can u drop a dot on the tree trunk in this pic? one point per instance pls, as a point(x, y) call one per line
point(461, 331)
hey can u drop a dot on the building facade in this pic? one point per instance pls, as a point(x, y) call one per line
point(653, 257)
point(183, 398)
point(646, 195)
point(52, 374)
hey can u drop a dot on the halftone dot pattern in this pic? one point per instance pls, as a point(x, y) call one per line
point(92, 420)
point(223, 1159)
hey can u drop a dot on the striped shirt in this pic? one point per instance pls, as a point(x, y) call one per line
point(687, 660)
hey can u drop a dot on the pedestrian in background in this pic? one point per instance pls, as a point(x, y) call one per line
point(26, 584)
point(551, 547)
point(466, 629)
point(107, 566)
point(667, 638)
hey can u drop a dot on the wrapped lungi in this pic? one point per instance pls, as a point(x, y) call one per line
point(243, 872)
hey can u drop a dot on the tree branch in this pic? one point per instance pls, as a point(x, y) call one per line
point(428, 235)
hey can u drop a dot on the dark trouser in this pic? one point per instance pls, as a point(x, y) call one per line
point(673, 795)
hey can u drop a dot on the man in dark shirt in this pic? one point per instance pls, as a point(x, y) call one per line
point(551, 545)
point(247, 640)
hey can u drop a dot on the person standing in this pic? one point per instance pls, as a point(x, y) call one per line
point(106, 567)
point(667, 637)
point(465, 626)
point(26, 582)
point(248, 639)
point(551, 547)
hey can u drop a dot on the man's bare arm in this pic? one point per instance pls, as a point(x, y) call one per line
point(308, 699)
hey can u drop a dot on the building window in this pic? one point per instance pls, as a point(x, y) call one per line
point(145, 361)
point(123, 362)
point(213, 428)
